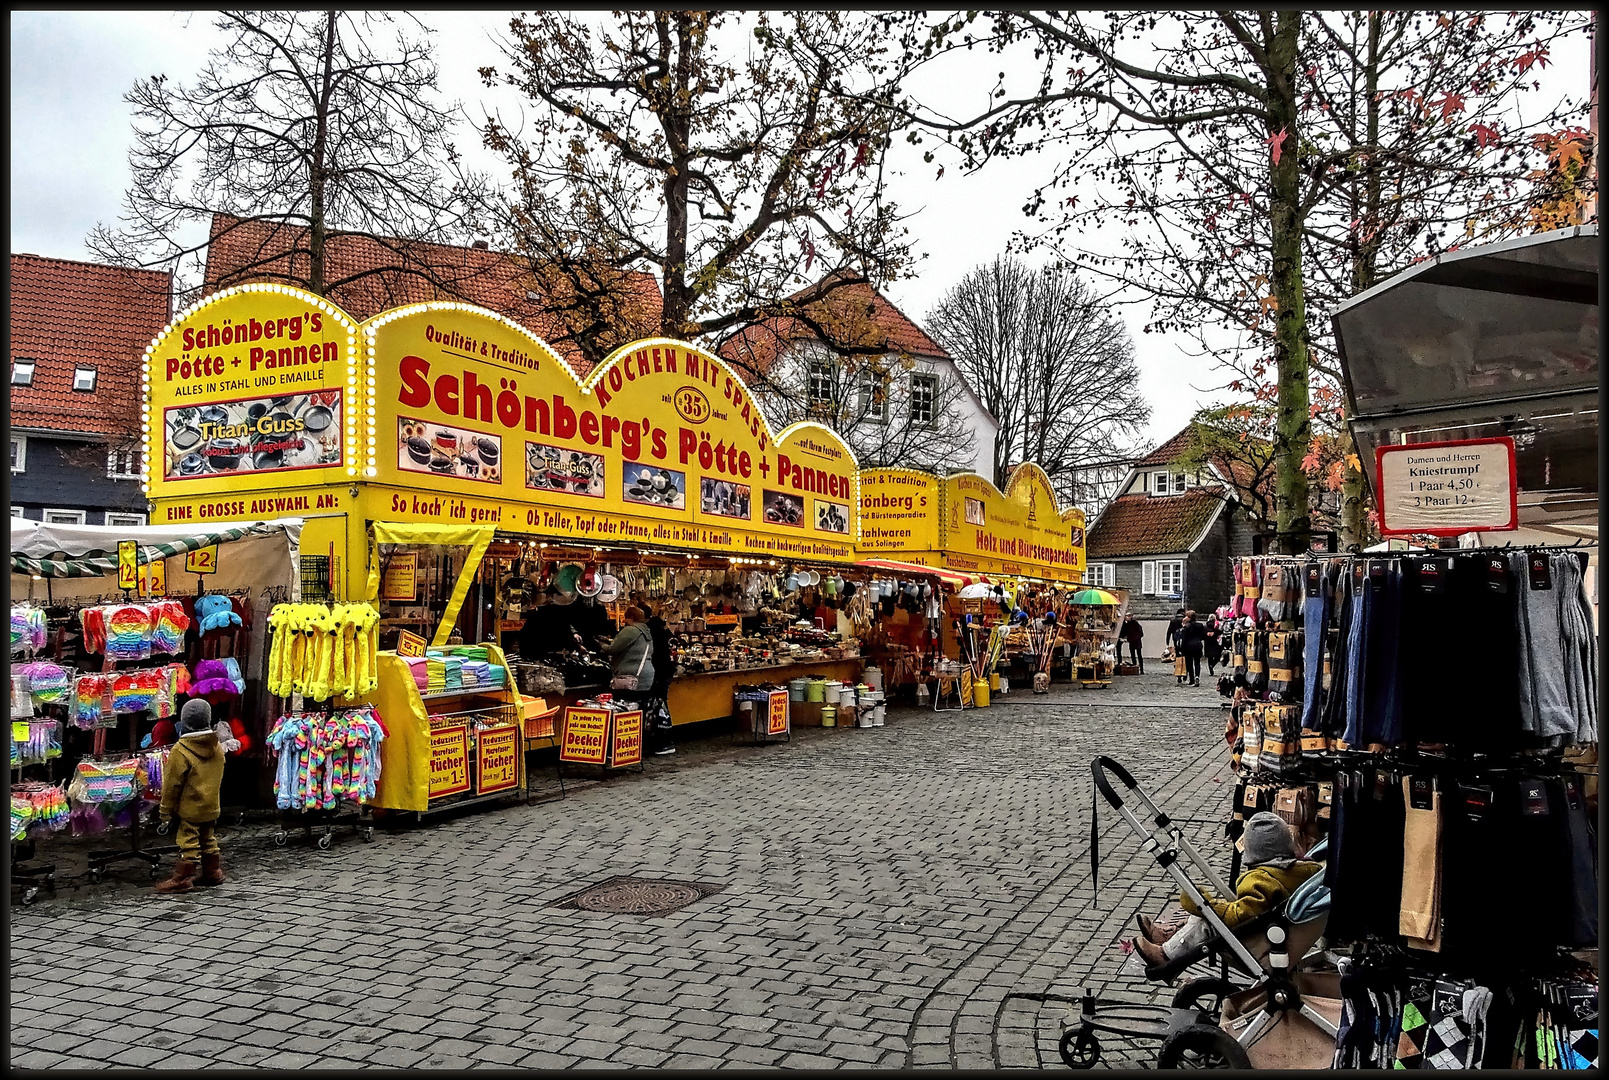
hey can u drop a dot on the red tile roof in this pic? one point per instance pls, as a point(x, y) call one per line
point(853, 315)
point(66, 313)
point(1237, 470)
point(369, 278)
point(1152, 525)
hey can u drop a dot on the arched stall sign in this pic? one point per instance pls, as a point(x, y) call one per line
point(1022, 530)
point(475, 421)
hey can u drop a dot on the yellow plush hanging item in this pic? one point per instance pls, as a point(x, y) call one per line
point(278, 621)
point(339, 676)
point(321, 650)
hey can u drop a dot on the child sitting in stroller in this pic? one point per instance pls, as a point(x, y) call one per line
point(1273, 871)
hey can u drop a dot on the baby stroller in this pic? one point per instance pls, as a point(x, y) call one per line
point(1285, 1017)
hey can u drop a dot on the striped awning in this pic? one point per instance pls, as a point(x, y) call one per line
point(949, 577)
point(96, 563)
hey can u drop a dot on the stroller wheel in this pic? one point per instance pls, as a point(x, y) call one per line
point(1202, 1046)
point(1203, 995)
point(1079, 1049)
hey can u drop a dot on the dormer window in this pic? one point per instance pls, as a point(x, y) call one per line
point(1167, 483)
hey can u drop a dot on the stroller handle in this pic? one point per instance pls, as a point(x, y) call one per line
point(1099, 768)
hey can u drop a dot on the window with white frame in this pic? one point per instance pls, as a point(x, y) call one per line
point(1102, 575)
point(123, 464)
point(19, 453)
point(924, 398)
point(16, 511)
point(124, 519)
point(874, 394)
point(64, 517)
point(1163, 577)
point(1167, 483)
point(819, 387)
point(22, 373)
point(83, 378)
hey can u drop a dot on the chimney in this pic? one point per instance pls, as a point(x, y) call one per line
point(480, 245)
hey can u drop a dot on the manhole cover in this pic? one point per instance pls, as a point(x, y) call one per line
point(637, 896)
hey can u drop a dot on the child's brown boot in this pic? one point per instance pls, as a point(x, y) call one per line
point(182, 881)
point(211, 869)
point(1153, 954)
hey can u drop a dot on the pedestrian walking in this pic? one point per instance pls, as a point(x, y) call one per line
point(657, 714)
point(1134, 634)
point(1214, 644)
point(1173, 645)
point(1192, 642)
point(191, 782)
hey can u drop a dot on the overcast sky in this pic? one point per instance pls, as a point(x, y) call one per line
point(70, 138)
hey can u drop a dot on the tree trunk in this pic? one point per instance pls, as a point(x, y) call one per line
point(676, 119)
point(1366, 253)
point(318, 231)
point(1293, 425)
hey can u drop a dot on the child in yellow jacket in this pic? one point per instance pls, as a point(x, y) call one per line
point(1273, 871)
point(191, 784)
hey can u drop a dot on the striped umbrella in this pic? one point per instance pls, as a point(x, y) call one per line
point(1099, 597)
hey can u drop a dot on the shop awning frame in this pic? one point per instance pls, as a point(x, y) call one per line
point(949, 577)
point(101, 561)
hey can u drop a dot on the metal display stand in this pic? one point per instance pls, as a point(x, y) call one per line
point(507, 712)
point(759, 725)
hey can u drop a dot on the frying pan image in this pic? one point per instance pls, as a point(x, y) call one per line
point(318, 418)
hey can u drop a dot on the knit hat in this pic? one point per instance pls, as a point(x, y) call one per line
point(1268, 839)
point(197, 716)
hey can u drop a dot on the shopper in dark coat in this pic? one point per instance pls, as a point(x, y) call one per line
point(1173, 638)
point(1214, 644)
point(658, 710)
point(1134, 634)
point(1192, 642)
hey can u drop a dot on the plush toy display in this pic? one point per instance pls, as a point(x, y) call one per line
point(215, 612)
point(212, 682)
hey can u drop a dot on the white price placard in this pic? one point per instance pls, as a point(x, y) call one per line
point(1447, 488)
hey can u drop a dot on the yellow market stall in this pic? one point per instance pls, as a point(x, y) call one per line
point(445, 428)
point(1020, 539)
point(447, 465)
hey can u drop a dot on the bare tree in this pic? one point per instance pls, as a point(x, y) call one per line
point(305, 127)
point(731, 163)
point(1267, 165)
point(1052, 364)
point(892, 410)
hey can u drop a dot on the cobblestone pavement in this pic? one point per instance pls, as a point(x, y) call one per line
point(912, 895)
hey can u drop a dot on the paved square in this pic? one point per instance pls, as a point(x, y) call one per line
point(912, 895)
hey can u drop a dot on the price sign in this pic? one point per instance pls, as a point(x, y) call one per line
point(720, 620)
point(128, 564)
point(401, 581)
point(202, 560)
point(586, 736)
point(497, 759)
point(776, 720)
point(1447, 488)
point(625, 741)
point(154, 578)
point(410, 644)
point(449, 761)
